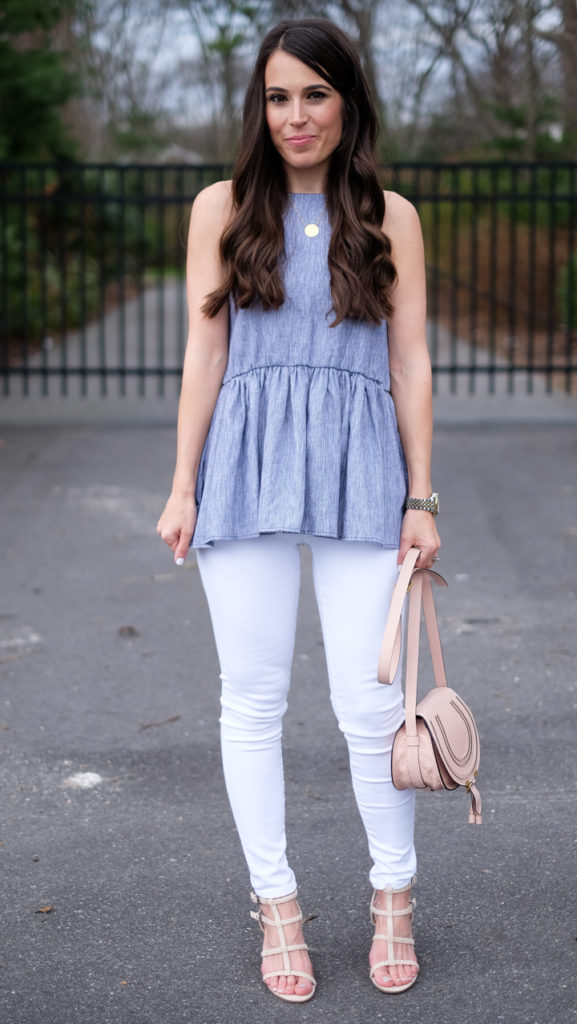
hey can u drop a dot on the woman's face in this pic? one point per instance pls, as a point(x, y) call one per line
point(304, 116)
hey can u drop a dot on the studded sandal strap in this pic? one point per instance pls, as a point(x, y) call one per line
point(389, 914)
point(272, 901)
point(278, 922)
point(284, 949)
point(392, 963)
point(394, 913)
point(257, 915)
point(292, 973)
point(376, 913)
point(396, 938)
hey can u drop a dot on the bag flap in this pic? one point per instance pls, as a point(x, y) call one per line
point(453, 730)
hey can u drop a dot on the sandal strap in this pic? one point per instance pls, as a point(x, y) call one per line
point(389, 936)
point(290, 974)
point(389, 916)
point(392, 963)
point(388, 912)
point(375, 912)
point(272, 901)
point(284, 949)
point(258, 914)
point(395, 938)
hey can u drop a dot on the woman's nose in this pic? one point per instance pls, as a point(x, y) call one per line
point(297, 114)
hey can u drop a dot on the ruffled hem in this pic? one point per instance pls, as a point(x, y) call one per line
point(299, 449)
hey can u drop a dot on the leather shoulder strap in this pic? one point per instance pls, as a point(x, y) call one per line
point(391, 644)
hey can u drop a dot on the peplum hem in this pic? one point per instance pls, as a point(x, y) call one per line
point(302, 449)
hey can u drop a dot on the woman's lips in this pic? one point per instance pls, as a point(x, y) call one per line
point(300, 140)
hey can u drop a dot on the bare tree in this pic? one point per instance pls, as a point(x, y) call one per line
point(499, 59)
point(118, 50)
point(563, 37)
point(475, 73)
point(225, 32)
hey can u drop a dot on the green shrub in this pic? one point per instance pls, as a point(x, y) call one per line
point(41, 296)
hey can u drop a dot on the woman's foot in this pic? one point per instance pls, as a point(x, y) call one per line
point(284, 950)
point(392, 959)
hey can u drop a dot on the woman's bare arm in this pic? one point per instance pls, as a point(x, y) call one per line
point(204, 363)
point(410, 366)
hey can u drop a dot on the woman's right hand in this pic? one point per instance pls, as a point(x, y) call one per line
point(176, 524)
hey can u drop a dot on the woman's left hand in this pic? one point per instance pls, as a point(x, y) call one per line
point(419, 531)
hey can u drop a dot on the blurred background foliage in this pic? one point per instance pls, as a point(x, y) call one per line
point(163, 80)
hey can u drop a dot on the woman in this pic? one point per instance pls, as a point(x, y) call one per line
point(305, 418)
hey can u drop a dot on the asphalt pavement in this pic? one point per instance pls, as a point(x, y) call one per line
point(124, 895)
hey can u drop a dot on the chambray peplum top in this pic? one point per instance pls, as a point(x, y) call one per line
point(303, 437)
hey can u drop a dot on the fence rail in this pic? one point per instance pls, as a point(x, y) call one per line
point(92, 274)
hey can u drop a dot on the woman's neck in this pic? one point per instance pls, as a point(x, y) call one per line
point(306, 179)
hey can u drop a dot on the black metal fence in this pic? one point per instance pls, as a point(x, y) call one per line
point(92, 274)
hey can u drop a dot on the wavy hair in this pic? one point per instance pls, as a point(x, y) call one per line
point(361, 268)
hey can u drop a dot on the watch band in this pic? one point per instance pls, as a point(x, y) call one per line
point(424, 504)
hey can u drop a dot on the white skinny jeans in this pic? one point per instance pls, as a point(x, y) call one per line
point(252, 587)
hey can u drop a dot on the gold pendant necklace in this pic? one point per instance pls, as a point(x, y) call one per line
point(311, 230)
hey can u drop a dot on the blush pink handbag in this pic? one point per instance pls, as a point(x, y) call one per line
point(437, 747)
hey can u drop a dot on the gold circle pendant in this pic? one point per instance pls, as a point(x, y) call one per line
point(311, 230)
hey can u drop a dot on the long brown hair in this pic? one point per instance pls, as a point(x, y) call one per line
point(359, 258)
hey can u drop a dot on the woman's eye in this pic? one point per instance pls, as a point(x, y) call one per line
point(279, 97)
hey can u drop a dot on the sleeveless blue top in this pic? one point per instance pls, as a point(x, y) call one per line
point(303, 438)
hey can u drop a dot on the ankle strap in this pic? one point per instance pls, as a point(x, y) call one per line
point(273, 901)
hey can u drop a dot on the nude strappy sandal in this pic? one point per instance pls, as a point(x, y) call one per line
point(276, 921)
point(390, 938)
